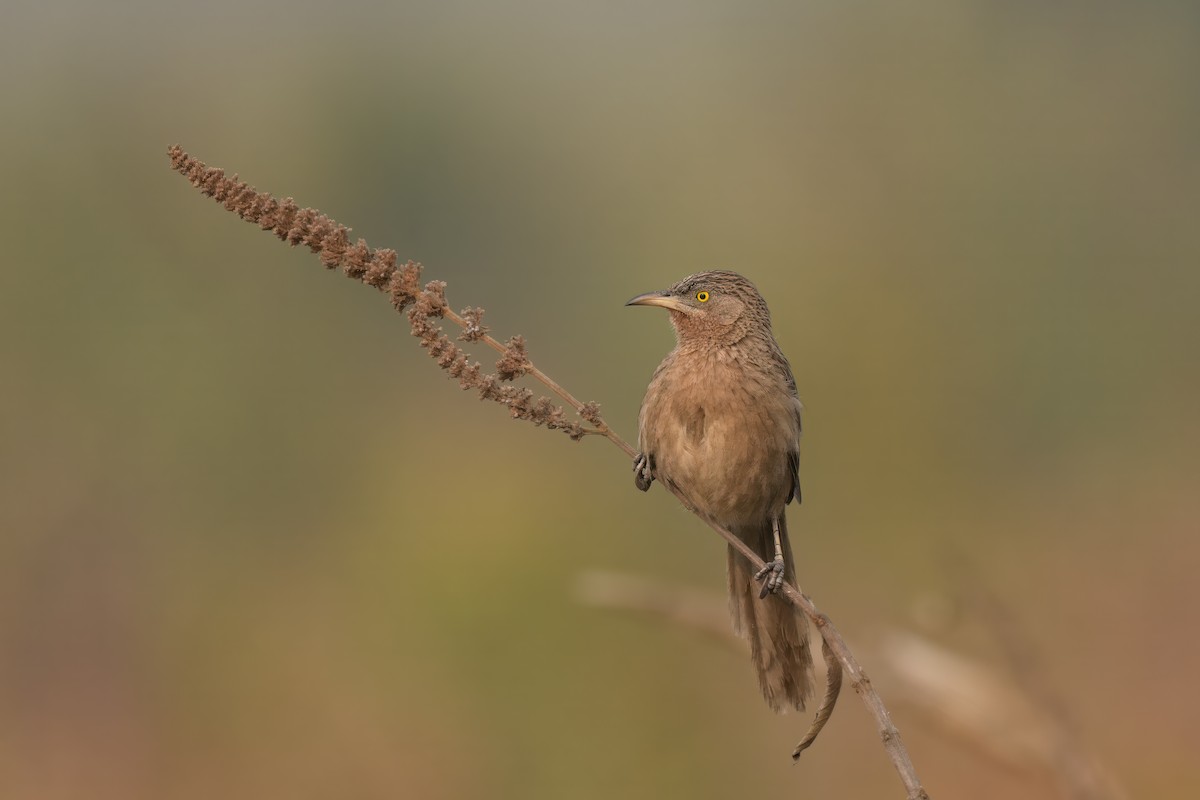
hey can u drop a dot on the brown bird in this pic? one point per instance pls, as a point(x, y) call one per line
point(721, 425)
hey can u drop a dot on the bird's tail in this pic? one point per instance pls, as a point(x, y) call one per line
point(777, 631)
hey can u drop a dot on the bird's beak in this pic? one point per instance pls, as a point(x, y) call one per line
point(661, 299)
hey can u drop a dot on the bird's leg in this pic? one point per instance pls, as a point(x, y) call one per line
point(771, 576)
point(643, 471)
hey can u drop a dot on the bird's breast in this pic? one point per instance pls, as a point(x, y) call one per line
point(722, 434)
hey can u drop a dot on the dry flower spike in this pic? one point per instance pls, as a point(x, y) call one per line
point(426, 306)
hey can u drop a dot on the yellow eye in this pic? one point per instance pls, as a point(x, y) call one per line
point(702, 297)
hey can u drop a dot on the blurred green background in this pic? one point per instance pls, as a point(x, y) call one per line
point(253, 544)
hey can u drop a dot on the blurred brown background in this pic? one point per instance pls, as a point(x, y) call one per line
point(231, 483)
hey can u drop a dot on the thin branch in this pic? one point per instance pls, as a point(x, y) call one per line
point(1079, 775)
point(425, 306)
point(688, 608)
point(833, 687)
point(1000, 717)
point(698, 611)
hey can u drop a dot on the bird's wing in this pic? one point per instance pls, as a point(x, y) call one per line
point(794, 467)
point(794, 450)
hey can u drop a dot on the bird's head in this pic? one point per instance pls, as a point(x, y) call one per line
point(717, 307)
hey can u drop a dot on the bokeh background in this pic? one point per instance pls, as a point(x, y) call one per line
point(254, 545)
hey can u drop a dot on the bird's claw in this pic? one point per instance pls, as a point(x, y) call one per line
point(771, 577)
point(642, 472)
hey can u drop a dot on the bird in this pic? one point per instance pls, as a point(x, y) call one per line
point(720, 426)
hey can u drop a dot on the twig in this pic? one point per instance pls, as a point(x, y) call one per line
point(833, 687)
point(589, 411)
point(698, 611)
point(330, 241)
point(1078, 774)
point(1000, 717)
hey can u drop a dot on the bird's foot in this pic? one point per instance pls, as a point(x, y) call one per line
point(642, 473)
point(771, 577)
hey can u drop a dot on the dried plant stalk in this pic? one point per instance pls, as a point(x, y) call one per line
point(996, 714)
point(700, 611)
point(423, 305)
point(331, 242)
